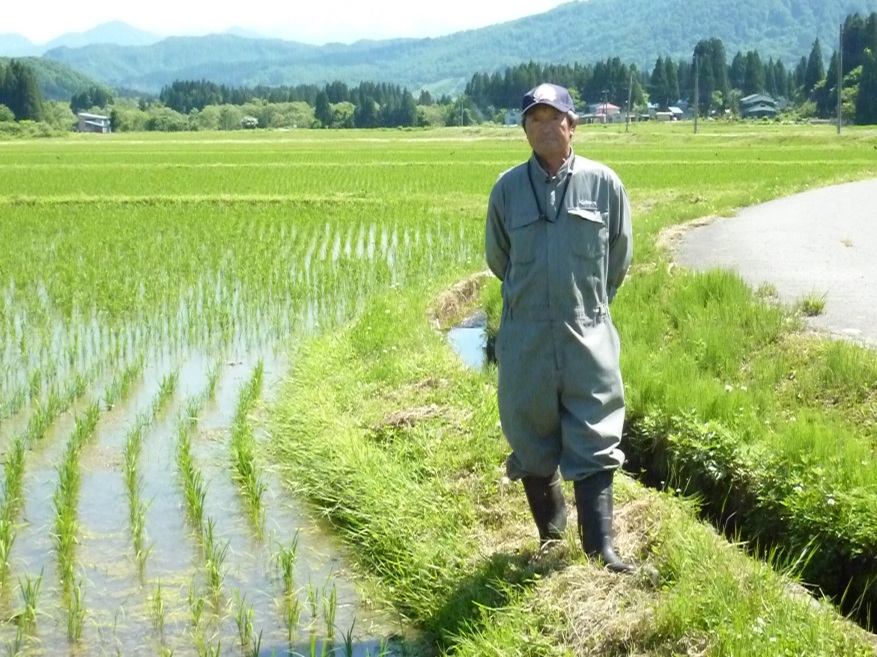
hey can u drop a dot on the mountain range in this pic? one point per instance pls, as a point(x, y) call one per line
point(584, 31)
point(114, 32)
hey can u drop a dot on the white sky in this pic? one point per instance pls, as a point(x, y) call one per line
point(315, 22)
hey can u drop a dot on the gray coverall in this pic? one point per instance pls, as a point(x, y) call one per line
point(561, 398)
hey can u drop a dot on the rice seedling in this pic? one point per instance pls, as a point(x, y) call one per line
point(137, 509)
point(214, 556)
point(313, 598)
point(330, 609)
point(247, 472)
point(75, 613)
point(206, 649)
point(166, 390)
point(30, 591)
point(348, 642)
point(36, 383)
point(157, 609)
point(13, 468)
point(138, 523)
point(196, 606)
point(243, 447)
point(120, 386)
point(292, 614)
point(66, 496)
point(256, 645)
point(193, 410)
point(286, 559)
point(194, 490)
point(243, 617)
point(7, 539)
point(196, 494)
point(313, 648)
point(213, 378)
point(18, 644)
point(14, 471)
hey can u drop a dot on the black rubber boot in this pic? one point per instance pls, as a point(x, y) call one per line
point(594, 505)
point(545, 496)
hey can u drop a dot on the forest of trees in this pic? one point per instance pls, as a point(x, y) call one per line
point(91, 97)
point(373, 105)
point(20, 93)
point(809, 87)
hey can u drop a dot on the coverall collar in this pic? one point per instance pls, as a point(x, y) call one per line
point(565, 168)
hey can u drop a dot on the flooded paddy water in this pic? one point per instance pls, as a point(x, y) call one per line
point(140, 513)
point(119, 596)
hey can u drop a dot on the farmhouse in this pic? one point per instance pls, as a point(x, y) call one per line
point(758, 106)
point(602, 113)
point(513, 117)
point(93, 122)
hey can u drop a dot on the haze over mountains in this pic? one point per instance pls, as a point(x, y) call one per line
point(636, 31)
point(115, 33)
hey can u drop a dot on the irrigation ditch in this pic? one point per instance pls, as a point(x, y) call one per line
point(741, 492)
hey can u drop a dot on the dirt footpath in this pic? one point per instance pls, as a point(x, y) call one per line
point(820, 242)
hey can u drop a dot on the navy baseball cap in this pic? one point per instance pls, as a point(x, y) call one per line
point(548, 94)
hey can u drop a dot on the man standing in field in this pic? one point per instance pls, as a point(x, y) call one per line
point(559, 238)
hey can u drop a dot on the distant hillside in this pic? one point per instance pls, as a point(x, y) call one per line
point(57, 80)
point(15, 45)
point(635, 30)
point(114, 32)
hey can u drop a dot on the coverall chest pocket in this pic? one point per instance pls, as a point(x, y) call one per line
point(588, 234)
point(525, 235)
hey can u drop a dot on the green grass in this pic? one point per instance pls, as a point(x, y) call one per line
point(813, 304)
point(461, 575)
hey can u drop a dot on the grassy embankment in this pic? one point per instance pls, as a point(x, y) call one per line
point(385, 431)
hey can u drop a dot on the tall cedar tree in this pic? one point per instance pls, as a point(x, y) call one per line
point(866, 103)
point(815, 68)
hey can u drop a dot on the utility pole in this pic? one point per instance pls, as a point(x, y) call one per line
point(696, 90)
point(629, 100)
point(840, 75)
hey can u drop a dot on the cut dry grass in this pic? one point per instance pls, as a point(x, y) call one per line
point(456, 302)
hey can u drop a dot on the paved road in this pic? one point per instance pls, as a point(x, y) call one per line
point(822, 241)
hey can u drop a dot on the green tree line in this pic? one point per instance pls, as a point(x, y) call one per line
point(367, 105)
point(721, 85)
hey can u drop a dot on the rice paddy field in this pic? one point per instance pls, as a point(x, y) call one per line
point(158, 294)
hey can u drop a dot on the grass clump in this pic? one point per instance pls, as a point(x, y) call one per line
point(813, 304)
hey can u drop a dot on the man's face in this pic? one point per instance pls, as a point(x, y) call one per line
point(549, 131)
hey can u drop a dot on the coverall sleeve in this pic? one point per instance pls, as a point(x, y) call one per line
point(620, 239)
point(496, 238)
